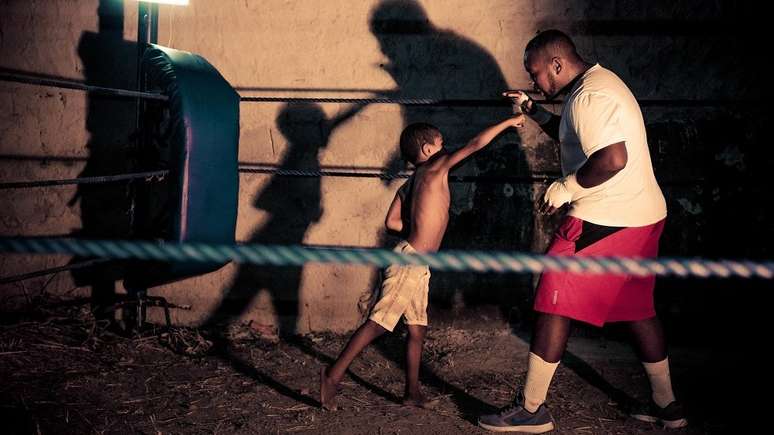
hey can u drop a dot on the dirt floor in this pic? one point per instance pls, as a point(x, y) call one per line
point(63, 373)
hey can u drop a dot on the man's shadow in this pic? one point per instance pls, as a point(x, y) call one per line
point(702, 313)
point(109, 61)
point(434, 63)
point(429, 62)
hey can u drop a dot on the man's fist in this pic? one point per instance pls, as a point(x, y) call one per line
point(556, 196)
point(522, 103)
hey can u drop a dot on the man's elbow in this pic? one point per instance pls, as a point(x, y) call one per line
point(616, 158)
point(617, 164)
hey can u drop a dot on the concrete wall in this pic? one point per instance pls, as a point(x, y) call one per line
point(708, 158)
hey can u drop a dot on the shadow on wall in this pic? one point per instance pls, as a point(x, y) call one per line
point(109, 61)
point(429, 62)
point(716, 212)
point(293, 205)
point(719, 214)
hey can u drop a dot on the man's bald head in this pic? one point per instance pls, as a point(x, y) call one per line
point(552, 62)
point(552, 43)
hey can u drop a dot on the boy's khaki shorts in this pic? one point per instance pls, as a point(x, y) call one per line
point(403, 293)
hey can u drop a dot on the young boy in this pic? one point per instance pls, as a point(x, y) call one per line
point(419, 212)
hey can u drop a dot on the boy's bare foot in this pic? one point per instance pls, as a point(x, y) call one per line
point(420, 402)
point(327, 391)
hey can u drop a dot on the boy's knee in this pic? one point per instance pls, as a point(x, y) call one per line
point(416, 332)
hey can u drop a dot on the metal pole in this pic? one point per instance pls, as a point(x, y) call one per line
point(147, 33)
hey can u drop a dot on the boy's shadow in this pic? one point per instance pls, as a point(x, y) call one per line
point(293, 204)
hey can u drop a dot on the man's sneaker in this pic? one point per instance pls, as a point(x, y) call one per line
point(671, 416)
point(517, 419)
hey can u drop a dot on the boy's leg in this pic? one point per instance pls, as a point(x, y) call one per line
point(331, 377)
point(414, 342)
point(364, 335)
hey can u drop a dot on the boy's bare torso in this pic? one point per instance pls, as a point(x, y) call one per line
point(429, 206)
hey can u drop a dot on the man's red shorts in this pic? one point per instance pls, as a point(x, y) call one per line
point(597, 299)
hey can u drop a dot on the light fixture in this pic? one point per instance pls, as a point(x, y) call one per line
point(167, 2)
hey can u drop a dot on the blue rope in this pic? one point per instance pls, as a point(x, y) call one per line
point(476, 261)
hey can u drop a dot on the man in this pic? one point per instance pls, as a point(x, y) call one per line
point(614, 208)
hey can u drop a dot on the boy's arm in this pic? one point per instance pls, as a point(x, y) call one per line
point(481, 140)
point(393, 221)
point(344, 117)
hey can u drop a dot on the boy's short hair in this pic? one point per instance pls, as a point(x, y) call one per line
point(413, 137)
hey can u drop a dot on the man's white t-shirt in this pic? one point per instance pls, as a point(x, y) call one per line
point(600, 110)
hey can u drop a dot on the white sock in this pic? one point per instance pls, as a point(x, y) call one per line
point(660, 382)
point(539, 375)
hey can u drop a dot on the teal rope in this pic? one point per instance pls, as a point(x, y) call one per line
point(476, 261)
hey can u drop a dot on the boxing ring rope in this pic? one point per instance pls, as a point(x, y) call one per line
point(535, 177)
point(451, 260)
point(20, 77)
point(385, 100)
point(477, 261)
point(146, 176)
point(72, 84)
point(385, 175)
point(53, 270)
point(245, 168)
point(252, 168)
point(503, 102)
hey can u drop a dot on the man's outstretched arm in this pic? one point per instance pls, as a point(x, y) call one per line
point(547, 121)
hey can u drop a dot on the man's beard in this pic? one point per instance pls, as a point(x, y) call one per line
point(553, 91)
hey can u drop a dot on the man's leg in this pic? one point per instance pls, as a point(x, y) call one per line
point(548, 343)
point(550, 336)
point(648, 337)
point(650, 346)
point(527, 414)
point(331, 377)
